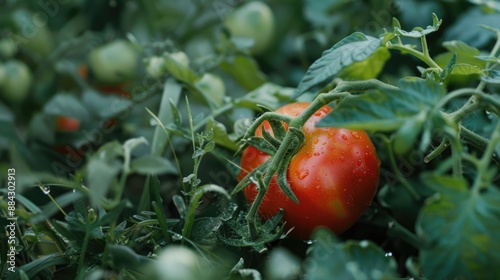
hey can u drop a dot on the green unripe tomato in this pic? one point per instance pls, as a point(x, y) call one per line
point(254, 20)
point(404, 138)
point(15, 81)
point(178, 263)
point(7, 48)
point(180, 57)
point(212, 87)
point(156, 64)
point(114, 62)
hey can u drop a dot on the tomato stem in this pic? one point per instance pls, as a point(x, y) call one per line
point(401, 178)
point(482, 179)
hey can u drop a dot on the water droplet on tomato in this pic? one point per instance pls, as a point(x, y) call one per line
point(315, 141)
point(316, 154)
point(302, 174)
point(342, 159)
point(344, 136)
point(355, 134)
point(308, 155)
point(360, 162)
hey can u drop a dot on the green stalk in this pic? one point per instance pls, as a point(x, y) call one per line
point(481, 181)
point(399, 175)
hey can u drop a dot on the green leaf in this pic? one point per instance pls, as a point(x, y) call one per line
point(461, 49)
point(462, 229)
point(493, 77)
point(104, 106)
point(171, 95)
point(102, 169)
point(203, 230)
point(34, 267)
point(465, 69)
point(419, 32)
point(51, 208)
point(467, 27)
point(221, 137)
point(386, 110)
point(193, 204)
point(367, 69)
point(488, 58)
point(269, 95)
point(111, 216)
point(356, 47)
point(66, 105)
point(245, 71)
point(449, 68)
point(349, 260)
point(150, 164)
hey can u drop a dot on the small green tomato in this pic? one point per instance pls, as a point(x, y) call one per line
point(212, 87)
point(254, 20)
point(15, 81)
point(180, 57)
point(114, 62)
point(406, 136)
point(178, 263)
point(8, 48)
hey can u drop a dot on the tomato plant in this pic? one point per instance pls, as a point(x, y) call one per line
point(334, 176)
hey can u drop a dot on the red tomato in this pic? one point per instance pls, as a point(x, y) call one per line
point(67, 124)
point(334, 176)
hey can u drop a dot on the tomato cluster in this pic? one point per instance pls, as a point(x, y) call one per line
point(334, 176)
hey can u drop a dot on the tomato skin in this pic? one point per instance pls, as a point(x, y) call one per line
point(334, 176)
point(67, 124)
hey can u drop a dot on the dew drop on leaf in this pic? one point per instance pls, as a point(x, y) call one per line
point(45, 189)
point(389, 254)
point(177, 237)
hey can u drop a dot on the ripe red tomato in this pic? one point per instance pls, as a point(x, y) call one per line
point(66, 124)
point(334, 176)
